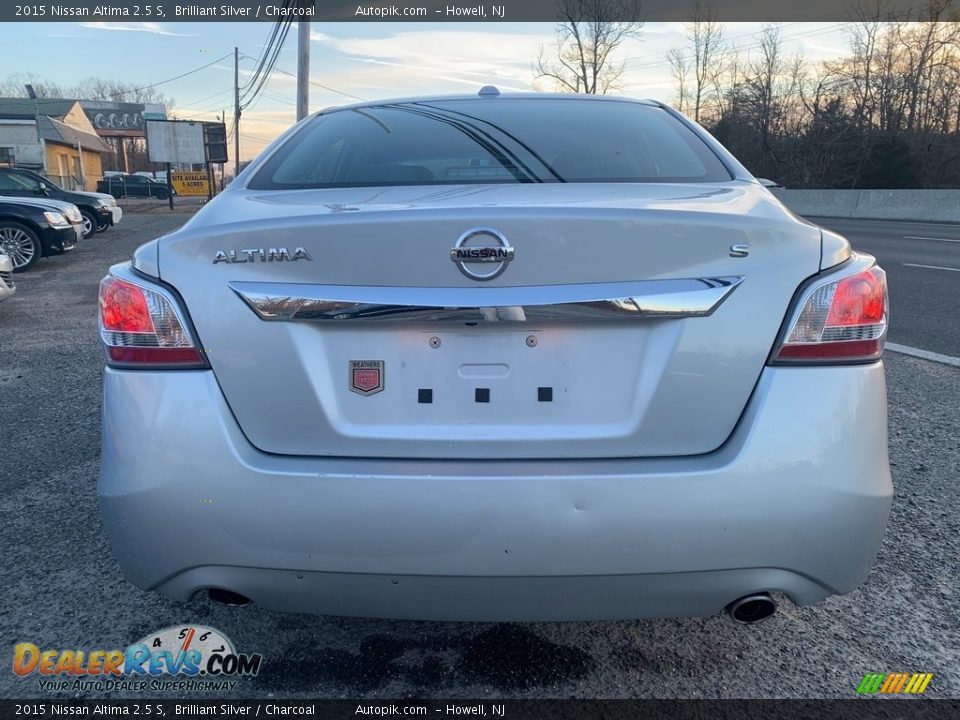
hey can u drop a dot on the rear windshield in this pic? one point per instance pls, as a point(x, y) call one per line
point(491, 141)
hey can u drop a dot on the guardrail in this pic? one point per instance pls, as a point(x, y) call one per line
point(915, 205)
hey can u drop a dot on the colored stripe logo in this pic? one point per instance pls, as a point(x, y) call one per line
point(894, 683)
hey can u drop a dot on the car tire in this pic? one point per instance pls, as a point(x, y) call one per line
point(102, 227)
point(21, 243)
point(90, 223)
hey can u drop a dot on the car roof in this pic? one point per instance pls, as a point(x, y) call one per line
point(491, 97)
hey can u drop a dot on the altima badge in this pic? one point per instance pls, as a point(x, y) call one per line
point(261, 254)
point(366, 376)
point(483, 246)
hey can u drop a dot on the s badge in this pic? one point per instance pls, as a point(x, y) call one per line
point(366, 376)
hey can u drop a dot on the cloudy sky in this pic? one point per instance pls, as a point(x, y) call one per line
point(348, 60)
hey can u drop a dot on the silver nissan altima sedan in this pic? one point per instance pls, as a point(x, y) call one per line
point(496, 357)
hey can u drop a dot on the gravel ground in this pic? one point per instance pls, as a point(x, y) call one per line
point(63, 589)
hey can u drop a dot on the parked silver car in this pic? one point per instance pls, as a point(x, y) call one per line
point(496, 357)
point(7, 285)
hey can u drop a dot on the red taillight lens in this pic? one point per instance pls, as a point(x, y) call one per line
point(124, 308)
point(842, 320)
point(141, 326)
point(859, 300)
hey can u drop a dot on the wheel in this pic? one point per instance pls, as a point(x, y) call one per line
point(102, 227)
point(21, 244)
point(90, 223)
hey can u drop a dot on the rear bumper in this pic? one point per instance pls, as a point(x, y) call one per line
point(796, 501)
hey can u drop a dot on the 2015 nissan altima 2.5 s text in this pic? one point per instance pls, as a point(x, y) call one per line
point(496, 357)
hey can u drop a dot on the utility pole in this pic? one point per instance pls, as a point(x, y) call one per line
point(223, 119)
point(236, 111)
point(36, 119)
point(83, 178)
point(303, 68)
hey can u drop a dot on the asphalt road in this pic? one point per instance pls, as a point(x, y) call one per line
point(63, 589)
point(922, 261)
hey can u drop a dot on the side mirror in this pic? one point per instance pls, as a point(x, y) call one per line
point(769, 183)
point(43, 188)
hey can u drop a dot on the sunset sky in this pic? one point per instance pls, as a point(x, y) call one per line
point(349, 61)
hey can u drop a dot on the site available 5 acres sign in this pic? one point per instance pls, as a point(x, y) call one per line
point(175, 141)
point(190, 183)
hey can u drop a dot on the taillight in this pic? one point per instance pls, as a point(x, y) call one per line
point(839, 321)
point(141, 327)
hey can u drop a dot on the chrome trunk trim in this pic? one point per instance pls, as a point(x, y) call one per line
point(689, 297)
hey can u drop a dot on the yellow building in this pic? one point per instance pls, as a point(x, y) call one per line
point(72, 156)
point(54, 137)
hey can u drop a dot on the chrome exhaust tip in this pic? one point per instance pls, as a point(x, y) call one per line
point(228, 598)
point(751, 609)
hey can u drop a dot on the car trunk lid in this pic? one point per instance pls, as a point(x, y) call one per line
point(632, 320)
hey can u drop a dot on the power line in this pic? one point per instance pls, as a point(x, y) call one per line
point(325, 87)
point(260, 138)
point(250, 95)
point(312, 82)
point(254, 102)
point(183, 75)
point(203, 100)
point(629, 63)
point(740, 36)
point(265, 51)
point(277, 98)
point(267, 59)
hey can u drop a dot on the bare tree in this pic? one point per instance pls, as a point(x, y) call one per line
point(14, 85)
point(94, 88)
point(765, 74)
point(727, 81)
point(680, 69)
point(885, 114)
point(862, 63)
point(588, 35)
point(706, 36)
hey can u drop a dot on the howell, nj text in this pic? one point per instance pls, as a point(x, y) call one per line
point(493, 710)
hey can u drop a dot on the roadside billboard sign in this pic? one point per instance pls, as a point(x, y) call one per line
point(121, 119)
point(175, 141)
point(215, 139)
point(190, 183)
